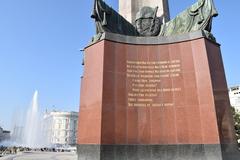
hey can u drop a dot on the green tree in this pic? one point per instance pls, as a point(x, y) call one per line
point(236, 117)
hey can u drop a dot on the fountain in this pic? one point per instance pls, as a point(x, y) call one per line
point(30, 133)
point(32, 125)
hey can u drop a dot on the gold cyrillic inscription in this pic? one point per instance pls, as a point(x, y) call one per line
point(145, 82)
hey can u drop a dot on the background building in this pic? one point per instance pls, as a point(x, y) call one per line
point(4, 135)
point(234, 94)
point(61, 127)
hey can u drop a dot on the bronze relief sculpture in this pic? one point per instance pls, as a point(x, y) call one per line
point(147, 23)
point(196, 17)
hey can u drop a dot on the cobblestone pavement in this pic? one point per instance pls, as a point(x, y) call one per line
point(42, 156)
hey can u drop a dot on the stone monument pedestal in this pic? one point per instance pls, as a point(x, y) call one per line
point(155, 98)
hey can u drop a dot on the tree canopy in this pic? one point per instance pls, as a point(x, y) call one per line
point(236, 117)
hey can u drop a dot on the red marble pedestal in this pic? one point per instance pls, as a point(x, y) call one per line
point(163, 99)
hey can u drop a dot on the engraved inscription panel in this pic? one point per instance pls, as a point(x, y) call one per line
point(144, 82)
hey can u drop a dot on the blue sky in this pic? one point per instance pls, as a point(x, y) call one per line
point(40, 42)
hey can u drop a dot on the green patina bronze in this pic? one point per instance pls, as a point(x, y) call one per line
point(197, 17)
point(147, 23)
point(108, 20)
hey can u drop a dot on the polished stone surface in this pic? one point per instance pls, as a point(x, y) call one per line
point(149, 95)
point(106, 118)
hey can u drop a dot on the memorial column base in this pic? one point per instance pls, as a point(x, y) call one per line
point(156, 98)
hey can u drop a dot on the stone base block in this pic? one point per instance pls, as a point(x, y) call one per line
point(154, 152)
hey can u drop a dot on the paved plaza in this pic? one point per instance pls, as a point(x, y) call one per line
point(42, 156)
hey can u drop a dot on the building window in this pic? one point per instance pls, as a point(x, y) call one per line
point(235, 88)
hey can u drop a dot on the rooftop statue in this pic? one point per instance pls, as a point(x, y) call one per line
point(196, 17)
